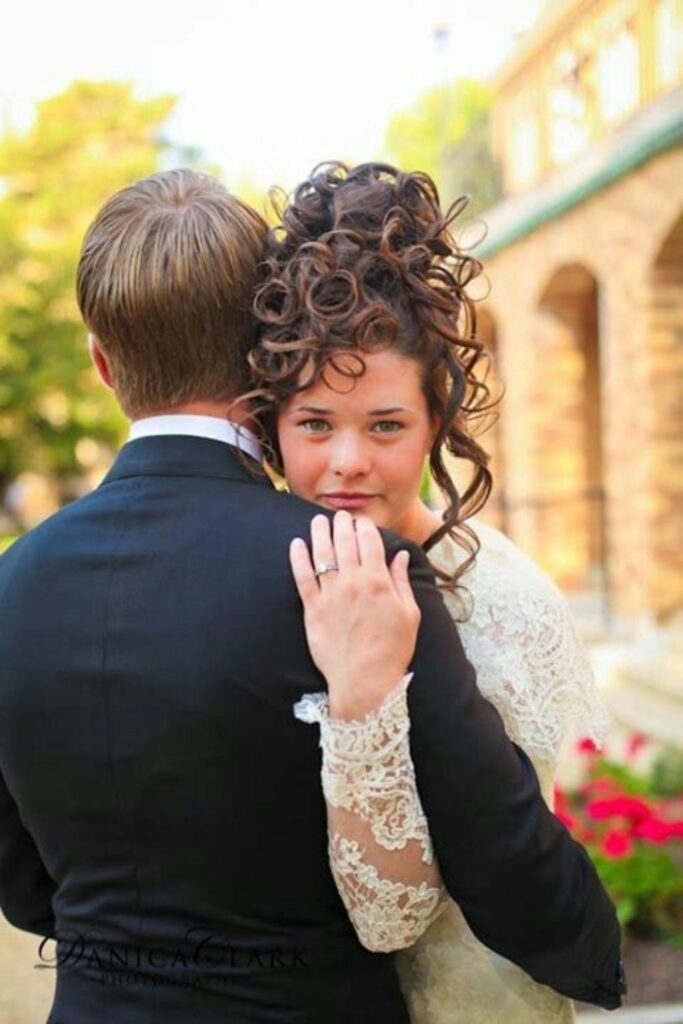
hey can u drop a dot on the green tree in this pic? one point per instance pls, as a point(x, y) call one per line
point(446, 134)
point(84, 144)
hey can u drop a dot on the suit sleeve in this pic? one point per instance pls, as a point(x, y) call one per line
point(526, 888)
point(26, 888)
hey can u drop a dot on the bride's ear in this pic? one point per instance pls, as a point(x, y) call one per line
point(100, 361)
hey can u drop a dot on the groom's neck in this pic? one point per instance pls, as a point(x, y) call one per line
point(220, 410)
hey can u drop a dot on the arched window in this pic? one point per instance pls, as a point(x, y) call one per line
point(570, 502)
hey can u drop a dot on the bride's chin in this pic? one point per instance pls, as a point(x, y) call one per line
point(364, 510)
point(379, 520)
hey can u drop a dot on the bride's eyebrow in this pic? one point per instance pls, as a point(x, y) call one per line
point(313, 409)
point(317, 411)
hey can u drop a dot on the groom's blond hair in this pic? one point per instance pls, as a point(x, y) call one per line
point(165, 282)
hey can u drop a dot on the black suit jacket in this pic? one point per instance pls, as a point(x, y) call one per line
point(161, 807)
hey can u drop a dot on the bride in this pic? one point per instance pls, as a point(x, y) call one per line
point(366, 359)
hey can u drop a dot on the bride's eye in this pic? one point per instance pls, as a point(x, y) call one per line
point(387, 427)
point(314, 426)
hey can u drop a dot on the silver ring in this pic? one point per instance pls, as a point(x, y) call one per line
point(324, 567)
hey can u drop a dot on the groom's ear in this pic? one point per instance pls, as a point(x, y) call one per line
point(100, 361)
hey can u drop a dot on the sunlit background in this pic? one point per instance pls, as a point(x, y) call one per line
point(564, 121)
point(264, 90)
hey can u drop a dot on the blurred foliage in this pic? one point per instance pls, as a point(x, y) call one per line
point(667, 772)
point(84, 144)
point(647, 890)
point(446, 133)
point(664, 778)
point(624, 778)
point(426, 489)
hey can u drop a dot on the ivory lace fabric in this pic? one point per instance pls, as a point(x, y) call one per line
point(379, 845)
point(531, 665)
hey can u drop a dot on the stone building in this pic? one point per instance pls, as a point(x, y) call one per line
point(584, 311)
point(581, 306)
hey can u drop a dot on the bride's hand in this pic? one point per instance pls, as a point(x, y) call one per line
point(361, 619)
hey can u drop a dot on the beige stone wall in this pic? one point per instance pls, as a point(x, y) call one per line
point(572, 421)
point(666, 455)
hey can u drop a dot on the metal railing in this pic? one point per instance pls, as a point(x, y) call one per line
point(597, 578)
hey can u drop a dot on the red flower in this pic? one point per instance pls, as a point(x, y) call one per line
point(586, 746)
point(657, 831)
point(619, 807)
point(616, 844)
point(559, 797)
point(635, 743)
point(567, 819)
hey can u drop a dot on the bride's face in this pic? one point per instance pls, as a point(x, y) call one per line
point(361, 446)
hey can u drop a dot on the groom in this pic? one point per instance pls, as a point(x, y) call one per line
point(160, 806)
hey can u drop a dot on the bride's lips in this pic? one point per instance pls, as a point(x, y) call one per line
point(347, 499)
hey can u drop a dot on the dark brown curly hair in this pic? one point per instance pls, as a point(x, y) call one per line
point(364, 260)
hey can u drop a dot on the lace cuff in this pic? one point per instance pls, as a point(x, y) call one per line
point(367, 767)
point(380, 849)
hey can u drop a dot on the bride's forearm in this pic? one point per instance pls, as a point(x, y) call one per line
point(379, 845)
point(351, 702)
point(391, 896)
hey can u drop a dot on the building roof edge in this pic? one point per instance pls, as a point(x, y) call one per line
point(641, 140)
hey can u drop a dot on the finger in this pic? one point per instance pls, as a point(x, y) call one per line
point(370, 545)
point(401, 579)
point(322, 546)
point(344, 540)
point(302, 570)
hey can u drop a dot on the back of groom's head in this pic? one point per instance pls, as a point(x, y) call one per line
point(165, 284)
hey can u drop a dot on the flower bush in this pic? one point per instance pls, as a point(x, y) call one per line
point(632, 826)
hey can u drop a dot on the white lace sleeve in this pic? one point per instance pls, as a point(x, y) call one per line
point(379, 845)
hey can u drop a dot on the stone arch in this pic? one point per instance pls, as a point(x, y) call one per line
point(665, 358)
point(568, 439)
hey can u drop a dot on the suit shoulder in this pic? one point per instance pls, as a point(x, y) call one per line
point(287, 515)
point(44, 535)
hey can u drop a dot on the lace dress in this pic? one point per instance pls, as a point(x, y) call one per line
point(532, 667)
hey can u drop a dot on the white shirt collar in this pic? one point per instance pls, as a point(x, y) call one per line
point(211, 427)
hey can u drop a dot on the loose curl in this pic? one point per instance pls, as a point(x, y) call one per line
point(362, 261)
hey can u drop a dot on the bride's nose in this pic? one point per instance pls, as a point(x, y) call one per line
point(349, 456)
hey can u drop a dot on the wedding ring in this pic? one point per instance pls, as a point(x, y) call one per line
point(324, 567)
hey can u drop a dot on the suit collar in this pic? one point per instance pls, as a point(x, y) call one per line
point(183, 455)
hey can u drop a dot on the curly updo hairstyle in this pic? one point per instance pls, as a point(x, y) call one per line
point(363, 260)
